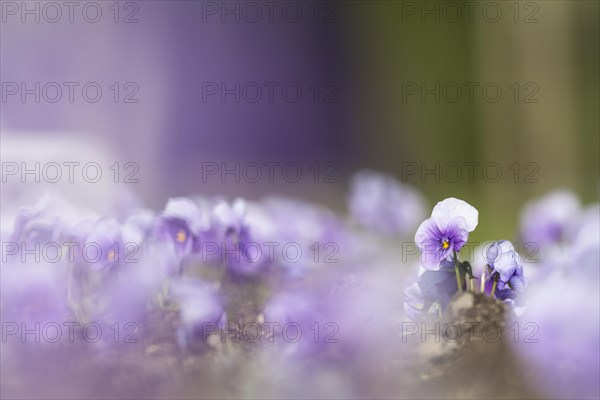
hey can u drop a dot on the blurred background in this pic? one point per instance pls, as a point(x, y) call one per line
point(395, 86)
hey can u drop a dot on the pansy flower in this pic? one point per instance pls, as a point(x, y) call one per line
point(239, 250)
point(180, 224)
point(109, 243)
point(41, 223)
point(445, 232)
point(506, 266)
point(505, 271)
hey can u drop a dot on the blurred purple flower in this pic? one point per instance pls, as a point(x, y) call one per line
point(296, 318)
point(181, 223)
point(243, 253)
point(445, 232)
point(302, 223)
point(113, 242)
point(38, 224)
point(108, 282)
point(231, 217)
point(583, 250)
point(561, 326)
point(50, 219)
point(124, 295)
point(433, 287)
point(380, 202)
point(544, 220)
point(199, 305)
point(141, 220)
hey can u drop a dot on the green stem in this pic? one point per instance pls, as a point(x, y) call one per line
point(457, 271)
point(494, 287)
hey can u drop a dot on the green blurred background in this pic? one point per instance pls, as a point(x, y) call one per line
point(553, 44)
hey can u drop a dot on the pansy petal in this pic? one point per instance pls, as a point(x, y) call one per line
point(507, 266)
point(518, 283)
point(230, 216)
point(187, 210)
point(427, 231)
point(497, 249)
point(457, 233)
point(431, 259)
point(450, 208)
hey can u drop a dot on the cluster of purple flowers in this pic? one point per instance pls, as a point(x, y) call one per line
point(198, 256)
point(440, 239)
point(197, 259)
point(561, 306)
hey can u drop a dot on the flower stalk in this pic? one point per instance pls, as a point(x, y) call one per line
point(457, 271)
point(482, 288)
point(494, 286)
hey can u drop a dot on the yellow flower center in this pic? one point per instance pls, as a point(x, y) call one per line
point(181, 236)
point(445, 244)
point(111, 255)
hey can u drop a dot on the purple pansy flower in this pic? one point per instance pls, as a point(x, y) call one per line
point(181, 223)
point(506, 263)
point(50, 219)
point(379, 202)
point(123, 295)
point(505, 267)
point(40, 223)
point(232, 217)
point(433, 287)
point(445, 232)
point(109, 243)
point(239, 250)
